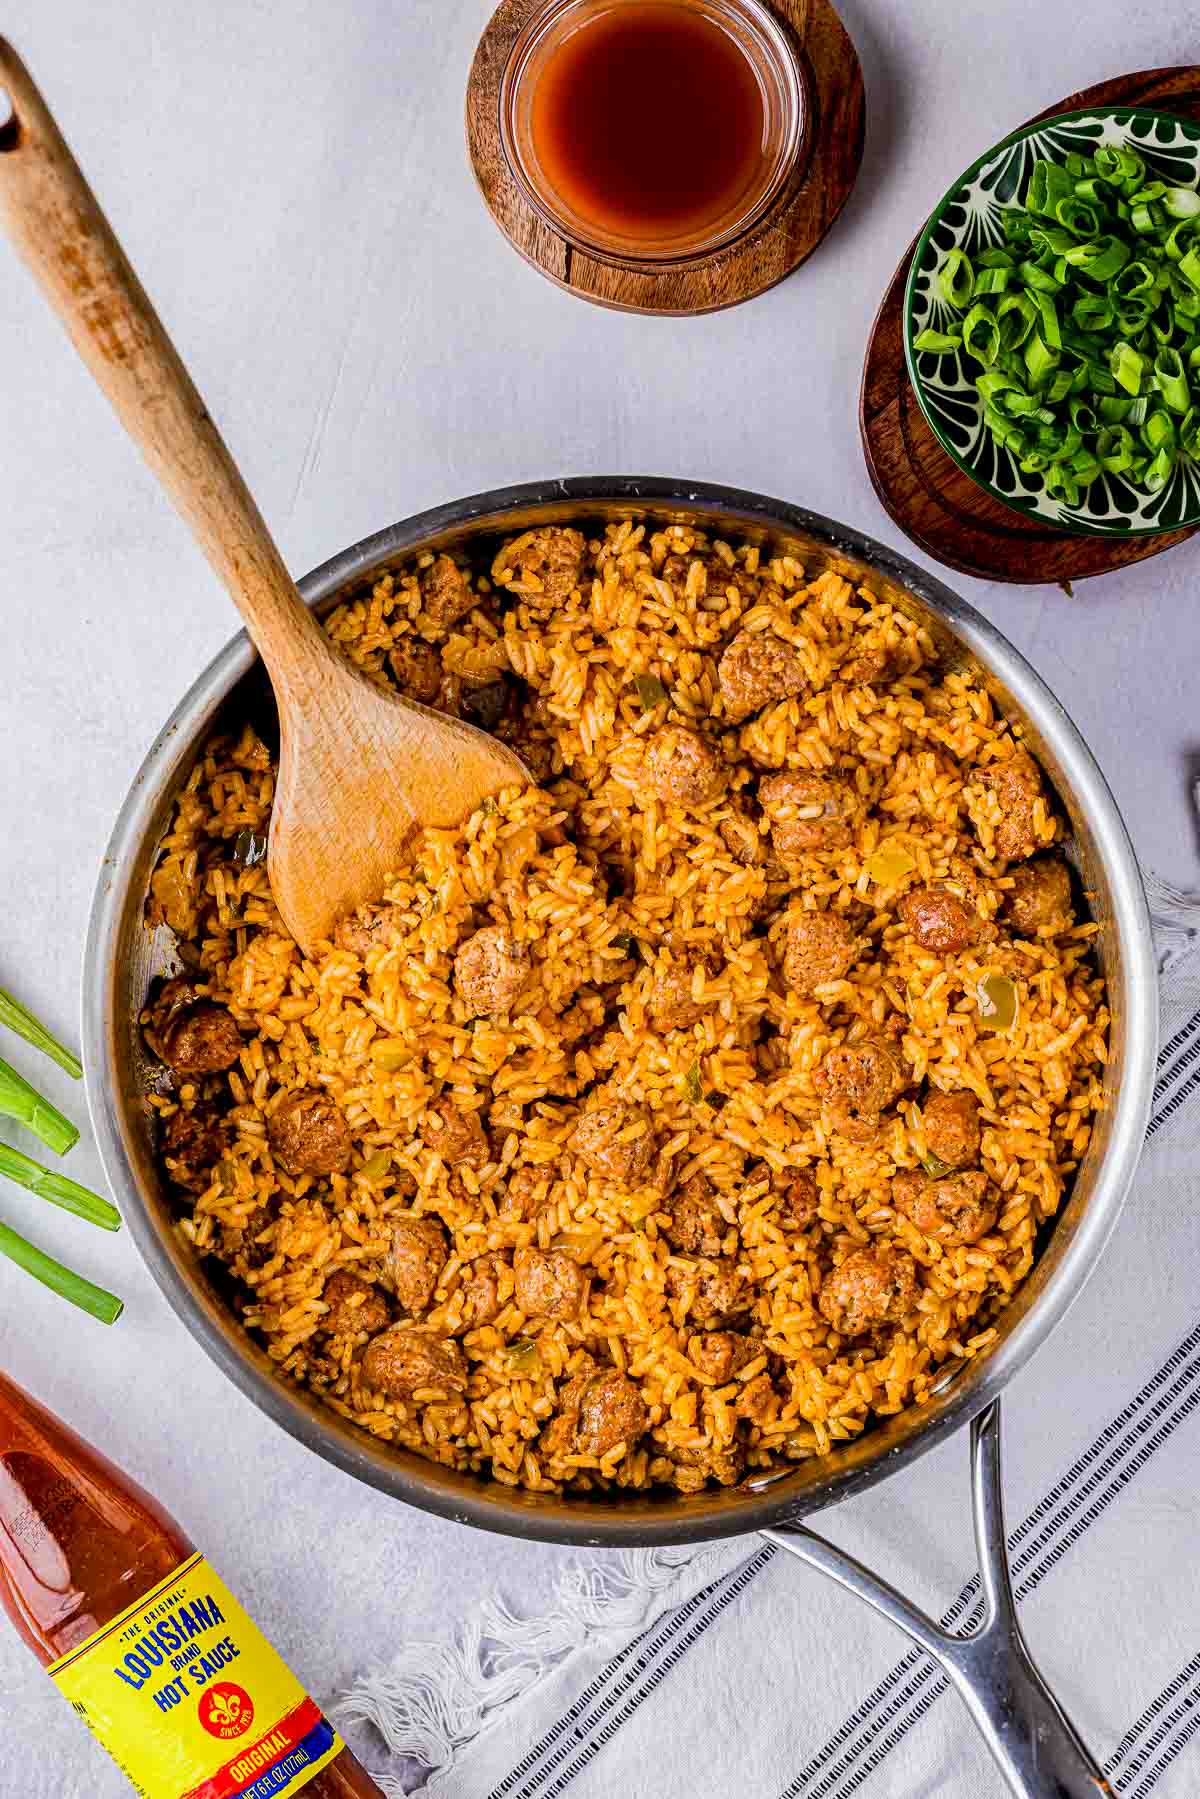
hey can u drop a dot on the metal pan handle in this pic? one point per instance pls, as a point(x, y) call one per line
point(1034, 1743)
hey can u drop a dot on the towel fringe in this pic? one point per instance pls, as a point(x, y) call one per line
point(434, 1698)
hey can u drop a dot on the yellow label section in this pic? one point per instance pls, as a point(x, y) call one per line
point(191, 1701)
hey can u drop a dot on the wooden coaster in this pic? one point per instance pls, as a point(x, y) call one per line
point(819, 188)
point(932, 500)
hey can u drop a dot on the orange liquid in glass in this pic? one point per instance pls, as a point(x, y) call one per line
point(648, 121)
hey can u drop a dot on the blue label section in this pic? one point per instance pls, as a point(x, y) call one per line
point(288, 1769)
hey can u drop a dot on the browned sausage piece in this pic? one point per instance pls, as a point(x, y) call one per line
point(192, 1144)
point(757, 1400)
point(352, 1305)
point(743, 839)
point(718, 1291)
point(417, 668)
point(952, 1128)
point(821, 947)
point(809, 811)
point(203, 1039)
point(370, 927)
point(309, 1135)
point(858, 1081)
point(958, 1208)
point(1017, 785)
point(870, 669)
point(797, 1205)
point(402, 1362)
point(490, 970)
point(696, 1226)
point(722, 1354)
point(611, 1411)
point(694, 1468)
point(418, 1255)
point(549, 1283)
point(525, 1194)
point(939, 920)
point(558, 1438)
point(446, 594)
point(549, 561)
point(670, 1003)
point(456, 1136)
point(682, 767)
point(481, 1290)
point(616, 1140)
point(757, 668)
point(872, 1286)
point(1040, 896)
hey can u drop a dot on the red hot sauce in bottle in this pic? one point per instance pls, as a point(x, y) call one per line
point(143, 1637)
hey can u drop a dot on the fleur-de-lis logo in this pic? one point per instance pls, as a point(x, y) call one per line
point(226, 1711)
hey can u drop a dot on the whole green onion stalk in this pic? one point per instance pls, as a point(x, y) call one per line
point(24, 1103)
point(20, 1019)
point(58, 1189)
point(64, 1281)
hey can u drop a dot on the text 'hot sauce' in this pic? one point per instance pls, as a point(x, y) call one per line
point(143, 1637)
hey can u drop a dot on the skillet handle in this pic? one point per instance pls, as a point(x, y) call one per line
point(1033, 1742)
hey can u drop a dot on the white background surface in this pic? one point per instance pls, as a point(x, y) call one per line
point(291, 183)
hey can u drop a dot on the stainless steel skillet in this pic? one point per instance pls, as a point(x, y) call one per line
point(1027, 1733)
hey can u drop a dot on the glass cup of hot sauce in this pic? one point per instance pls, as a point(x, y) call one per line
point(652, 132)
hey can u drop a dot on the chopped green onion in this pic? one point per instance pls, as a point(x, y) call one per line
point(934, 1167)
point(1114, 448)
point(991, 281)
point(1171, 379)
point(1158, 432)
point(58, 1189)
point(1159, 472)
point(1127, 367)
point(651, 691)
point(1065, 385)
point(692, 1084)
point(956, 279)
point(24, 1103)
point(1016, 316)
point(1118, 164)
point(1040, 359)
point(1049, 184)
point(63, 1281)
point(937, 341)
point(20, 1019)
point(981, 335)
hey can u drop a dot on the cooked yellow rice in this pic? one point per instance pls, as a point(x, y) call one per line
point(388, 1041)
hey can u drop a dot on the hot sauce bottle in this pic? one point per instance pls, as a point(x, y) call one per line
point(142, 1636)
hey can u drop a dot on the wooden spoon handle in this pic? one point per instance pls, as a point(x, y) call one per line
point(54, 221)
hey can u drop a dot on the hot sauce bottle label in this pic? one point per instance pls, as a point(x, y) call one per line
point(190, 1699)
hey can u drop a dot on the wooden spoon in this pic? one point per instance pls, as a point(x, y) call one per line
point(360, 769)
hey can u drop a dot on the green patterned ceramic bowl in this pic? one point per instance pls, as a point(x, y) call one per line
point(969, 218)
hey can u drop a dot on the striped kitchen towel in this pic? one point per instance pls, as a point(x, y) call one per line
point(735, 1671)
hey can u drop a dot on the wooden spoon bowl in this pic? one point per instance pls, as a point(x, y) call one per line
point(361, 770)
